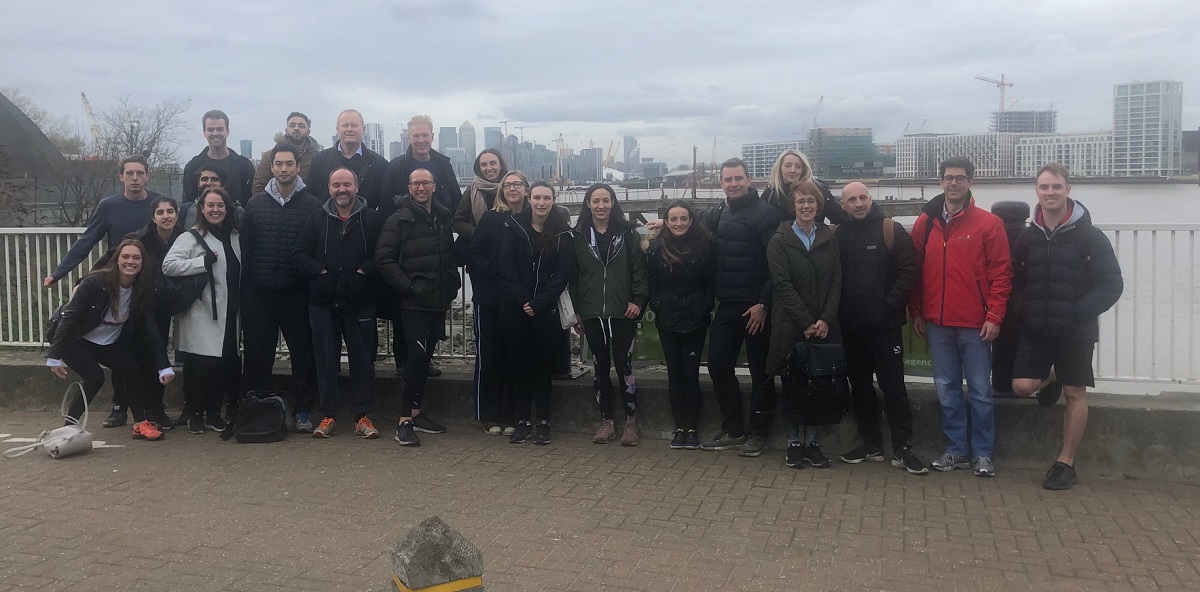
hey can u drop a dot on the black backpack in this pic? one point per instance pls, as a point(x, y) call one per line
point(262, 417)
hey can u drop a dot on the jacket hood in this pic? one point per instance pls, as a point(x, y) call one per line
point(272, 188)
point(938, 203)
point(331, 209)
point(1080, 216)
point(309, 145)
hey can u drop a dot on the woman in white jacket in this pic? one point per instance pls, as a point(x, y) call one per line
point(209, 334)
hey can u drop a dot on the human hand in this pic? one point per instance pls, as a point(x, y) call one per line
point(918, 326)
point(49, 281)
point(757, 318)
point(59, 371)
point(990, 331)
point(528, 309)
point(632, 311)
point(165, 380)
point(821, 329)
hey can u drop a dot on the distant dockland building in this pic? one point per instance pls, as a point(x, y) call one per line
point(760, 156)
point(1025, 122)
point(1147, 128)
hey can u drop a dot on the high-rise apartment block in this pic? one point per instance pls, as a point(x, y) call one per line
point(633, 155)
point(1087, 154)
point(1025, 122)
point(918, 155)
point(1147, 128)
point(493, 138)
point(373, 138)
point(760, 156)
point(466, 140)
point(447, 139)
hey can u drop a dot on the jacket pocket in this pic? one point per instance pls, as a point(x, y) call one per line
point(322, 288)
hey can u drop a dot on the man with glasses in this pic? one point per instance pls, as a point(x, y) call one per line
point(958, 304)
point(348, 152)
point(299, 126)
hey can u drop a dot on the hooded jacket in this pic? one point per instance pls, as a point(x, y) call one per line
point(806, 287)
point(527, 272)
point(681, 294)
point(876, 280)
point(1066, 277)
point(237, 170)
point(605, 283)
point(308, 152)
point(415, 256)
point(395, 180)
point(269, 235)
point(338, 258)
point(966, 267)
point(369, 166)
point(741, 229)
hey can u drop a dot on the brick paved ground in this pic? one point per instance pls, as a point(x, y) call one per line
point(194, 513)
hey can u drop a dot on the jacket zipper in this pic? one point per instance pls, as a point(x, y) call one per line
point(945, 243)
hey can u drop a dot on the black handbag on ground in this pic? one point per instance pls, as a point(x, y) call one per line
point(262, 417)
point(176, 294)
point(814, 390)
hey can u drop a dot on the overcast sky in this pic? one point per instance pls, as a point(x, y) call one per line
point(673, 74)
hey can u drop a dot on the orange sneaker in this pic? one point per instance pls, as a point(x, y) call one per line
point(145, 430)
point(327, 428)
point(365, 429)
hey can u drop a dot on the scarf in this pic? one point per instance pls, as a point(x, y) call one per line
point(478, 202)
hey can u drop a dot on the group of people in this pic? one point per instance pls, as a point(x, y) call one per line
point(317, 244)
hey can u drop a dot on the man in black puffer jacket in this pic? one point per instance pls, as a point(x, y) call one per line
point(273, 296)
point(415, 256)
point(1068, 275)
point(741, 228)
point(879, 271)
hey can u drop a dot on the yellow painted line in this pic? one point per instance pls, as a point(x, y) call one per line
point(454, 586)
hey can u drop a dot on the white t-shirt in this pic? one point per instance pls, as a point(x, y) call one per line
point(109, 329)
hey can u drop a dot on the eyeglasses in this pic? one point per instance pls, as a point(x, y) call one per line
point(806, 202)
point(955, 179)
point(512, 185)
point(420, 184)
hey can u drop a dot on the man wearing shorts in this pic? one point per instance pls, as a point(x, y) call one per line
point(1065, 275)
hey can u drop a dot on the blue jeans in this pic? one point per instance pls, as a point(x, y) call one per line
point(957, 352)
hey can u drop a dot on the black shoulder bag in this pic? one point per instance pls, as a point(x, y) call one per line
point(176, 294)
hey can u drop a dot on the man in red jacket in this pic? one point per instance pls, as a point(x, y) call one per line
point(966, 276)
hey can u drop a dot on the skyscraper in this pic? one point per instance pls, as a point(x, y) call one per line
point(395, 149)
point(1025, 122)
point(1147, 128)
point(247, 149)
point(466, 139)
point(373, 138)
point(633, 155)
point(447, 139)
point(493, 137)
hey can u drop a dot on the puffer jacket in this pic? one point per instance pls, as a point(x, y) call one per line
point(966, 267)
point(85, 312)
point(1068, 277)
point(807, 287)
point(876, 280)
point(605, 283)
point(344, 251)
point(269, 235)
point(528, 273)
point(741, 229)
point(415, 256)
point(479, 257)
point(681, 294)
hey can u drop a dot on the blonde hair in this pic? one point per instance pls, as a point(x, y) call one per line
point(777, 183)
point(421, 120)
point(501, 204)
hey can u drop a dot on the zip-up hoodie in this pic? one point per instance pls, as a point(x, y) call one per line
point(605, 283)
point(529, 272)
point(344, 251)
point(966, 268)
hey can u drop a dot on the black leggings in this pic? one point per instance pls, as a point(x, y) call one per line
point(532, 342)
point(611, 341)
point(207, 380)
point(85, 358)
point(493, 394)
point(422, 330)
point(682, 352)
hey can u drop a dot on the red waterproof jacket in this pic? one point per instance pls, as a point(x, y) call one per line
point(966, 267)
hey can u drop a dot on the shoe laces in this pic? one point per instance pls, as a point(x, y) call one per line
point(364, 424)
point(326, 424)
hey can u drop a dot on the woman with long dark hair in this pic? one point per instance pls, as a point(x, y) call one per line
point(681, 266)
point(609, 291)
point(208, 330)
point(481, 194)
point(114, 301)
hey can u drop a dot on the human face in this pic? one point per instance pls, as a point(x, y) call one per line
point(134, 177)
point(284, 167)
point(216, 132)
point(165, 216)
point(600, 205)
point(514, 192)
point(792, 168)
point(350, 129)
point(129, 262)
point(297, 130)
point(342, 188)
point(956, 184)
point(213, 208)
point(806, 210)
point(678, 221)
point(208, 179)
point(421, 186)
point(856, 201)
point(735, 182)
point(1052, 193)
point(420, 136)
point(489, 165)
point(541, 200)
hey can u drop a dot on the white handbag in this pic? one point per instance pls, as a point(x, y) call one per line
point(566, 310)
point(68, 440)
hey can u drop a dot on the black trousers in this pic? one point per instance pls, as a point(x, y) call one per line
point(399, 346)
point(330, 327)
point(532, 341)
point(880, 353)
point(207, 380)
point(682, 352)
point(265, 313)
point(493, 392)
point(422, 330)
point(726, 336)
point(86, 359)
point(611, 342)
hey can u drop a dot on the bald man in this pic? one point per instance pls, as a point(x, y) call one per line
point(879, 270)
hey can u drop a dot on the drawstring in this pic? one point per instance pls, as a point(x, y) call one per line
point(607, 336)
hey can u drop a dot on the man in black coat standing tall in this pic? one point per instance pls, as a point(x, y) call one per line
point(349, 152)
point(879, 271)
point(237, 170)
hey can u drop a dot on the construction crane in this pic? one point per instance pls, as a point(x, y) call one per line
point(561, 146)
point(97, 141)
point(1000, 84)
point(804, 129)
point(505, 122)
point(905, 132)
point(522, 128)
point(608, 158)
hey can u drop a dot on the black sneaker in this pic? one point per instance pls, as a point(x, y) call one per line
point(195, 424)
point(434, 371)
point(754, 446)
point(1050, 395)
point(692, 441)
point(904, 458)
point(118, 417)
point(868, 451)
point(422, 423)
point(406, 435)
point(541, 433)
point(160, 419)
point(795, 455)
point(678, 439)
point(1060, 477)
point(813, 456)
point(524, 430)
point(215, 423)
point(182, 420)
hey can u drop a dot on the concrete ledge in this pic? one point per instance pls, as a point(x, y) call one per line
point(1151, 437)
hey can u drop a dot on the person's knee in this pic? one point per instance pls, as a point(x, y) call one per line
point(1025, 387)
point(1075, 394)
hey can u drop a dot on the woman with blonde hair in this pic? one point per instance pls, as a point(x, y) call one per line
point(792, 167)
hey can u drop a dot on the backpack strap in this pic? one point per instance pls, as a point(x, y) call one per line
point(889, 233)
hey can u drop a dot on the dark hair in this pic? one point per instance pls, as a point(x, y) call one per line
point(545, 184)
point(806, 188)
point(214, 170)
point(1055, 168)
point(957, 162)
point(164, 199)
point(143, 284)
point(616, 219)
point(215, 114)
point(500, 157)
point(300, 115)
point(202, 223)
point(342, 168)
point(135, 159)
point(735, 162)
point(284, 147)
point(696, 239)
point(557, 221)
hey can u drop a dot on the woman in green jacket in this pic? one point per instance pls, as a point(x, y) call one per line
point(609, 292)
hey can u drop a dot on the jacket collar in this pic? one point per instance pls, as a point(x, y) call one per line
point(741, 203)
point(937, 205)
point(824, 235)
point(331, 209)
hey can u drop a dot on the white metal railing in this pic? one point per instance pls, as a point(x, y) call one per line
point(1150, 335)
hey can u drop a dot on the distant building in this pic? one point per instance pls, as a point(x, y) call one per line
point(838, 152)
point(395, 150)
point(1147, 128)
point(1086, 154)
point(585, 167)
point(463, 168)
point(493, 137)
point(633, 155)
point(447, 139)
point(535, 160)
point(373, 138)
point(654, 170)
point(247, 149)
point(466, 140)
point(1191, 152)
point(760, 156)
point(1025, 122)
point(918, 155)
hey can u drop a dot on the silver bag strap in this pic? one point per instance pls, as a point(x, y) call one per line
point(80, 423)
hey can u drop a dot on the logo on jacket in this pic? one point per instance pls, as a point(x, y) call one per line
point(896, 350)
